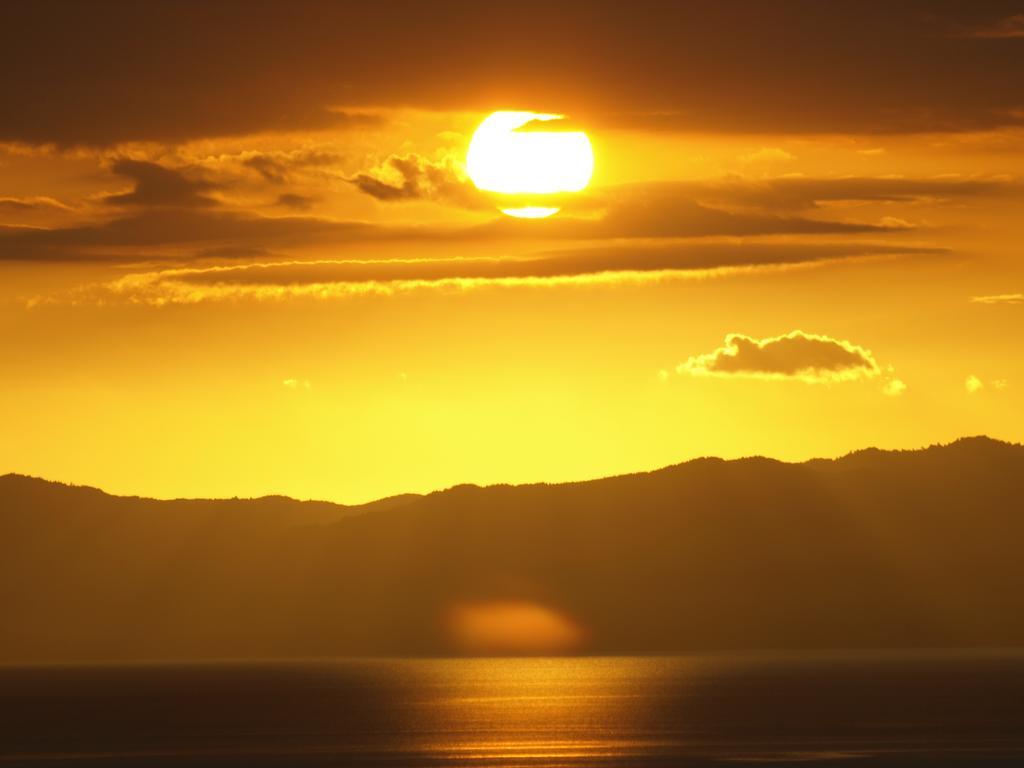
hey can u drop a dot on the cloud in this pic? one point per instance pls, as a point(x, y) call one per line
point(25, 204)
point(279, 167)
point(661, 209)
point(156, 185)
point(296, 202)
point(173, 212)
point(1000, 298)
point(276, 280)
point(807, 193)
point(284, 69)
point(974, 384)
point(796, 355)
point(151, 232)
point(651, 209)
point(233, 253)
point(664, 210)
point(894, 388)
point(230, 79)
point(1009, 27)
point(767, 155)
point(413, 177)
point(740, 206)
point(711, 255)
point(296, 384)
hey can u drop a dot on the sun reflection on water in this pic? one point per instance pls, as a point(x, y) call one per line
point(555, 709)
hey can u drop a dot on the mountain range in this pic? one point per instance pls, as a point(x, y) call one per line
point(875, 549)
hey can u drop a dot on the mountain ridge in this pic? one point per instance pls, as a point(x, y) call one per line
point(401, 498)
point(874, 549)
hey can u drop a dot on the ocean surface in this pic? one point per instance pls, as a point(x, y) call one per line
point(863, 709)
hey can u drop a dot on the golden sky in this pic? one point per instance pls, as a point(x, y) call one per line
point(239, 252)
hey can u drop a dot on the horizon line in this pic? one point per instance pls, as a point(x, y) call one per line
point(424, 494)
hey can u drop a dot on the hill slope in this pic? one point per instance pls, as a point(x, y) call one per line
point(914, 548)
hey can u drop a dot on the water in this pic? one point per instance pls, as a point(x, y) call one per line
point(869, 709)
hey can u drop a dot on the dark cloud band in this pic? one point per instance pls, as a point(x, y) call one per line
point(108, 72)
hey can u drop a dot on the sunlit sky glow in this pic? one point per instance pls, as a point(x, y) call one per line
point(285, 270)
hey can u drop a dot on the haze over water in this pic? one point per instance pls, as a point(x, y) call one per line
point(892, 709)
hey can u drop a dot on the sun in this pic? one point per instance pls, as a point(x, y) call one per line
point(512, 154)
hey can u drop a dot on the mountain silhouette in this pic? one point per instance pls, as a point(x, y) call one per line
point(875, 549)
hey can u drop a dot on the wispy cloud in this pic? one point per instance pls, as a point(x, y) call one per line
point(1008, 27)
point(414, 177)
point(24, 204)
point(325, 279)
point(279, 167)
point(894, 388)
point(999, 298)
point(974, 384)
